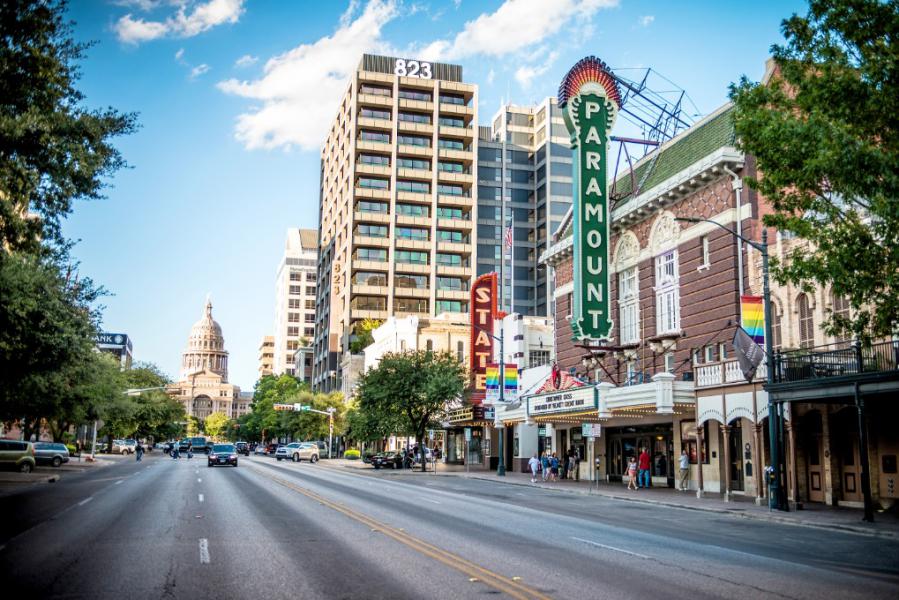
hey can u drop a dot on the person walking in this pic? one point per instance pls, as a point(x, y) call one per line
point(632, 474)
point(190, 450)
point(139, 452)
point(684, 465)
point(544, 462)
point(534, 466)
point(554, 468)
point(643, 466)
point(572, 464)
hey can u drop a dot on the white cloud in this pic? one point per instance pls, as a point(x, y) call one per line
point(179, 54)
point(512, 27)
point(300, 88)
point(199, 70)
point(202, 17)
point(525, 74)
point(646, 21)
point(246, 61)
point(491, 75)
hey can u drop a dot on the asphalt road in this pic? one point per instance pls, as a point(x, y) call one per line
point(177, 529)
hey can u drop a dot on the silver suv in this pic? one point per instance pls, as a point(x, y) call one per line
point(298, 451)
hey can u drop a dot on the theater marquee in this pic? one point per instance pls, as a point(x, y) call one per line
point(590, 100)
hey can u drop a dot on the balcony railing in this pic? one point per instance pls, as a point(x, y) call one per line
point(836, 360)
point(726, 372)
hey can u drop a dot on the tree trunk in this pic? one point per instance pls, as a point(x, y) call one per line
point(421, 450)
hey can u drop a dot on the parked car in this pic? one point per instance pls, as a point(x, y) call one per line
point(242, 448)
point(271, 449)
point(298, 451)
point(50, 453)
point(222, 454)
point(260, 449)
point(201, 444)
point(391, 459)
point(17, 454)
point(322, 448)
point(124, 446)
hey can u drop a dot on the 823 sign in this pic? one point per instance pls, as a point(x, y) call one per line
point(412, 68)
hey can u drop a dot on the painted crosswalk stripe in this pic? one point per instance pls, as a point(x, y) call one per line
point(201, 497)
point(204, 551)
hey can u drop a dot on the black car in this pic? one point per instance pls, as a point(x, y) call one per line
point(387, 460)
point(222, 454)
point(242, 448)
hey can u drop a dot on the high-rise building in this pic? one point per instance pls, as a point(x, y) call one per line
point(266, 355)
point(524, 169)
point(397, 204)
point(295, 292)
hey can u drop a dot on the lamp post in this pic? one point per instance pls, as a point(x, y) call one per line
point(497, 424)
point(777, 499)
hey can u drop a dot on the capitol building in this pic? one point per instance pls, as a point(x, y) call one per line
point(203, 386)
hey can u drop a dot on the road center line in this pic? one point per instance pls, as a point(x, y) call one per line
point(201, 497)
point(85, 501)
point(607, 547)
point(204, 551)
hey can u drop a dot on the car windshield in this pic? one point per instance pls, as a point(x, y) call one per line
point(223, 448)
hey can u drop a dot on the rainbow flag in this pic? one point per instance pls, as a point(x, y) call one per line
point(753, 311)
point(510, 383)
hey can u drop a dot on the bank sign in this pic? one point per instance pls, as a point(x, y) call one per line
point(590, 101)
point(573, 400)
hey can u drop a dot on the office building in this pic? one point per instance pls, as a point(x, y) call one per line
point(397, 204)
point(266, 355)
point(295, 291)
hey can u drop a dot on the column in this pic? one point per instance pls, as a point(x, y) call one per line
point(759, 448)
point(725, 434)
point(699, 460)
point(792, 474)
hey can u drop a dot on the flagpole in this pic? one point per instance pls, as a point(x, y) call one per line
point(511, 239)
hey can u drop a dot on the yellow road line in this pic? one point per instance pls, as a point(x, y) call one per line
point(511, 586)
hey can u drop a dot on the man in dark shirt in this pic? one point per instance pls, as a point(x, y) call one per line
point(643, 466)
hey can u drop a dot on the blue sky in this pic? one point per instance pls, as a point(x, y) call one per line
point(234, 96)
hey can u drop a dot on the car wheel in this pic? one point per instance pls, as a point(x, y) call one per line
point(314, 458)
point(279, 458)
point(25, 467)
point(296, 457)
point(235, 464)
point(57, 461)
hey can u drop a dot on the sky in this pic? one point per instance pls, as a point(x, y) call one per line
point(234, 97)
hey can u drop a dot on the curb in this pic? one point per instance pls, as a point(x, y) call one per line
point(770, 518)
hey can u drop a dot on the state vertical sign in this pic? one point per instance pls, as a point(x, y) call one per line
point(590, 100)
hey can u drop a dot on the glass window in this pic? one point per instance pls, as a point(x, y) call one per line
point(451, 236)
point(414, 140)
point(403, 280)
point(369, 303)
point(452, 99)
point(412, 305)
point(375, 113)
point(411, 257)
point(374, 136)
point(449, 259)
point(371, 182)
point(667, 293)
point(704, 245)
point(806, 322)
point(372, 230)
point(450, 144)
point(415, 117)
point(412, 210)
point(370, 278)
point(420, 187)
point(374, 90)
point(375, 254)
point(444, 212)
point(538, 358)
point(557, 188)
point(451, 122)
point(451, 306)
point(629, 306)
point(376, 207)
point(374, 159)
point(412, 233)
point(450, 167)
point(415, 95)
point(450, 190)
point(451, 283)
point(413, 163)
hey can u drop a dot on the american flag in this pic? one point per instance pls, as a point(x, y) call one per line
point(508, 236)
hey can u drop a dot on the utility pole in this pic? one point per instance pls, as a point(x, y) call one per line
point(497, 423)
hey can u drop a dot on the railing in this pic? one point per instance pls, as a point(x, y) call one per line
point(726, 372)
point(836, 360)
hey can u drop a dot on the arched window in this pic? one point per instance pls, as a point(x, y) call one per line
point(806, 322)
point(460, 351)
point(840, 307)
point(429, 345)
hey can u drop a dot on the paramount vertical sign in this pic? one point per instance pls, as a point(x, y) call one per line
point(483, 316)
point(590, 101)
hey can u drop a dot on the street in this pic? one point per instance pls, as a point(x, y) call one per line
point(177, 529)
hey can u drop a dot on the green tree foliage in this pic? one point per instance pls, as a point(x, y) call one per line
point(825, 134)
point(362, 336)
point(53, 150)
point(411, 390)
point(263, 422)
point(216, 424)
point(158, 415)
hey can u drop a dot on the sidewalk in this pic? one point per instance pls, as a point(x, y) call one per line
point(886, 525)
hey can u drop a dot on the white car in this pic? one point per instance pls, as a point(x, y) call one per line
point(298, 451)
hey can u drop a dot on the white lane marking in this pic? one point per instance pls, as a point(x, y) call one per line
point(607, 547)
point(204, 551)
point(429, 500)
point(199, 480)
point(201, 497)
point(118, 482)
point(85, 501)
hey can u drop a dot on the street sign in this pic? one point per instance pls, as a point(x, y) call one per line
point(591, 430)
point(468, 434)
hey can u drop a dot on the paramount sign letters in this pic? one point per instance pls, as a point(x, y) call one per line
point(590, 97)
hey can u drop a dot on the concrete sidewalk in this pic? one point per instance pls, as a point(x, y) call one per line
point(886, 524)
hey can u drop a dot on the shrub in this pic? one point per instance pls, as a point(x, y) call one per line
point(351, 455)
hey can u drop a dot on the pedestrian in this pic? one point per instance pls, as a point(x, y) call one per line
point(643, 466)
point(139, 452)
point(684, 464)
point(534, 465)
point(572, 464)
point(190, 450)
point(544, 463)
point(554, 467)
point(632, 474)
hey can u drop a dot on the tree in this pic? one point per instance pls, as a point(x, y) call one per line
point(411, 390)
point(363, 337)
point(825, 134)
point(158, 415)
point(216, 424)
point(53, 150)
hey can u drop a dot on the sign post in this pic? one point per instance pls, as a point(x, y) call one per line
point(590, 100)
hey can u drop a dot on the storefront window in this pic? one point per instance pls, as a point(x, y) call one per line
point(689, 441)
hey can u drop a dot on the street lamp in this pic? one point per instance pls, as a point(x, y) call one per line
point(497, 423)
point(775, 425)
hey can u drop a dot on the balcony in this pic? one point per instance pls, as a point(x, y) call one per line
point(454, 223)
point(375, 123)
point(364, 240)
point(837, 362)
point(456, 132)
point(415, 268)
point(375, 100)
point(410, 150)
point(413, 127)
point(464, 154)
point(418, 174)
point(455, 201)
point(724, 373)
point(369, 290)
point(454, 177)
point(454, 247)
point(370, 265)
point(411, 244)
point(371, 217)
point(358, 313)
point(412, 292)
point(372, 146)
point(452, 294)
point(367, 169)
point(378, 193)
point(414, 221)
point(455, 271)
point(417, 105)
point(418, 197)
point(456, 110)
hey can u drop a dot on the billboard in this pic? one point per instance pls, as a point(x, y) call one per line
point(483, 316)
point(590, 99)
